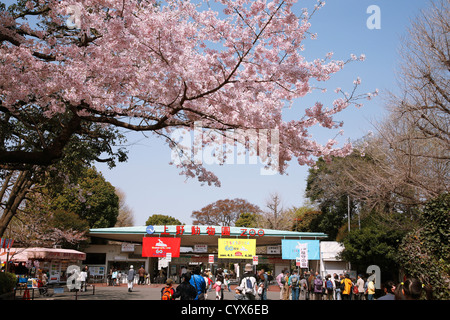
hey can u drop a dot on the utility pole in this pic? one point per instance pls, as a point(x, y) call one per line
point(348, 209)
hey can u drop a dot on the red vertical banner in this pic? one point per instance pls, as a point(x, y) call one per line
point(159, 247)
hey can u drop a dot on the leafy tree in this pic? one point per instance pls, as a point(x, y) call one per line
point(94, 200)
point(372, 245)
point(160, 219)
point(8, 282)
point(63, 213)
point(425, 252)
point(306, 218)
point(247, 220)
point(223, 212)
point(79, 153)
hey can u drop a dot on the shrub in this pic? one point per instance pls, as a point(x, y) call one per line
point(7, 282)
point(425, 252)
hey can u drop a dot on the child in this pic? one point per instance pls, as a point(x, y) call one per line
point(260, 289)
point(167, 293)
point(239, 295)
point(217, 286)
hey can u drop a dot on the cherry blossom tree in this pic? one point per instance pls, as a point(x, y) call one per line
point(151, 66)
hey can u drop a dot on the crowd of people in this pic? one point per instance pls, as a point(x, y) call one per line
point(311, 286)
point(293, 286)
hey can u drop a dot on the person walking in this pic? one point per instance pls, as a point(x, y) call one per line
point(82, 278)
point(168, 292)
point(220, 278)
point(280, 281)
point(346, 287)
point(360, 285)
point(303, 288)
point(114, 277)
point(141, 273)
point(208, 281)
point(318, 288)
point(217, 287)
point(371, 289)
point(264, 283)
point(329, 286)
point(294, 284)
point(311, 279)
point(130, 278)
point(248, 283)
point(185, 291)
point(198, 282)
point(337, 287)
point(287, 289)
point(227, 282)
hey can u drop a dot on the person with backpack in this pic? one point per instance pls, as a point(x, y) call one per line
point(185, 291)
point(337, 285)
point(294, 284)
point(248, 283)
point(168, 293)
point(303, 288)
point(329, 287)
point(318, 286)
point(198, 283)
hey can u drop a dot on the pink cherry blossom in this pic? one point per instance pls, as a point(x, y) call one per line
point(148, 66)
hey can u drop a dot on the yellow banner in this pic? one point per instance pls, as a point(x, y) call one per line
point(237, 248)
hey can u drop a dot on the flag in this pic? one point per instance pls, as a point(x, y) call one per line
point(6, 243)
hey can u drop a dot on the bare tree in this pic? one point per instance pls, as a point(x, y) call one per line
point(424, 99)
point(126, 217)
point(406, 162)
point(275, 216)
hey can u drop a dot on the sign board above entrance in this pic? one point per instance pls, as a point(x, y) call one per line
point(210, 230)
point(160, 247)
point(291, 249)
point(237, 248)
point(209, 233)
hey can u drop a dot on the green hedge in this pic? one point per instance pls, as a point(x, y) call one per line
point(7, 282)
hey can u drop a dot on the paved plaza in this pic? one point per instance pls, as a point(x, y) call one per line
point(140, 292)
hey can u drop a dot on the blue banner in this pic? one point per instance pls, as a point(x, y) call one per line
point(290, 249)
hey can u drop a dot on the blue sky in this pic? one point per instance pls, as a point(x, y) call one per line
point(152, 186)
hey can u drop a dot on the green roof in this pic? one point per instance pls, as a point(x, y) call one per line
point(217, 230)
